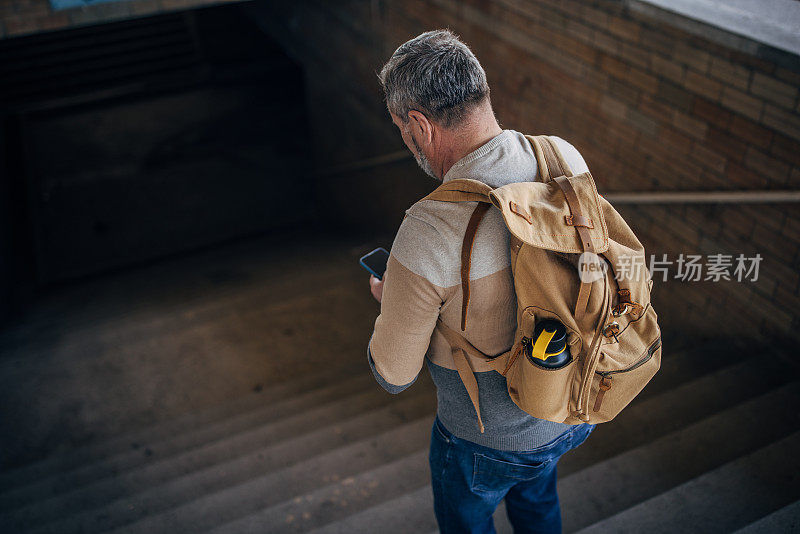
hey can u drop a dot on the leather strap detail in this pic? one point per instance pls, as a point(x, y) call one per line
point(625, 304)
point(470, 382)
point(460, 348)
point(455, 339)
point(605, 385)
point(578, 220)
point(586, 240)
point(575, 209)
point(512, 358)
point(514, 207)
point(465, 190)
point(466, 256)
point(555, 168)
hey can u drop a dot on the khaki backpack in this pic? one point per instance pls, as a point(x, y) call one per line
point(558, 225)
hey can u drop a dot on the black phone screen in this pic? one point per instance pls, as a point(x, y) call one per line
point(375, 262)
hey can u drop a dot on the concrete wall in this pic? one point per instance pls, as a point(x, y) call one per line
point(122, 183)
point(652, 107)
point(135, 140)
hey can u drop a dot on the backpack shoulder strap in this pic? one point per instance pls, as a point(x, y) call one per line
point(461, 190)
point(466, 256)
point(553, 167)
point(548, 157)
point(465, 190)
point(460, 349)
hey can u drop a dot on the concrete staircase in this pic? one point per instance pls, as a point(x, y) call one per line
point(709, 446)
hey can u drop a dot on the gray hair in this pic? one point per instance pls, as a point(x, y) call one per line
point(434, 73)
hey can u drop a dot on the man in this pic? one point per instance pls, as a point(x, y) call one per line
point(438, 97)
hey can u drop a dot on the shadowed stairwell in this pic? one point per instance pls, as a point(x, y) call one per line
point(185, 193)
point(246, 405)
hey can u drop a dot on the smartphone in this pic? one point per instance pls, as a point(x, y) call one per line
point(375, 262)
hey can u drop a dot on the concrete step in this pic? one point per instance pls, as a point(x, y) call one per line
point(138, 446)
point(145, 492)
point(677, 365)
point(272, 284)
point(640, 423)
point(14, 479)
point(29, 483)
point(787, 520)
point(396, 521)
point(363, 412)
point(618, 483)
point(126, 489)
point(721, 500)
point(184, 443)
point(334, 502)
point(696, 398)
point(332, 483)
point(413, 512)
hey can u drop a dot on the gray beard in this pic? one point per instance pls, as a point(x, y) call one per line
point(422, 161)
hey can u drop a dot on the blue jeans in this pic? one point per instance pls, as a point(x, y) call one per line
point(470, 480)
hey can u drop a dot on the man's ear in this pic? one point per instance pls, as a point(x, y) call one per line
point(422, 126)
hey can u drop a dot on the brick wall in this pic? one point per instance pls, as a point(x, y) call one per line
point(26, 17)
point(650, 106)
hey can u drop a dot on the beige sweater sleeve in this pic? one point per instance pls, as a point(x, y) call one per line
point(410, 303)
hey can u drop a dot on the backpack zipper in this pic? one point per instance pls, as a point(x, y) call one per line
point(607, 376)
point(650, 351)
point(592, 356)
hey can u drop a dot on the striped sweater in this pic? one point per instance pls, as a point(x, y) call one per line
point(422, 282)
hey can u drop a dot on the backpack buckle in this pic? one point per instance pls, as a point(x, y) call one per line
point(620, 309)
point(611, 330)
point(578, 220)
point(625, 304)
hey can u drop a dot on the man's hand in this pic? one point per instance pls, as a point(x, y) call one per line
point(376, 286)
